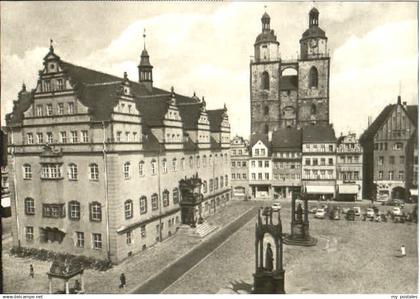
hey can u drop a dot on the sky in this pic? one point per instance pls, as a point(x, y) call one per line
point(205, 47)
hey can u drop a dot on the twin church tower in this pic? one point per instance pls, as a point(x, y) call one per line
point(289, 94)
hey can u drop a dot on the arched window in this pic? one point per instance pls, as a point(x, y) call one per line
point(165, 198)
point(141, 168)
point(127, 170)
point(164, 166)
point(143, 205)
point(95, 211)
point(94, 171)
point(313, 77)
point(221, 182)
point(128, 209)
point(74, 210)
point(29, 206)
point(27, 172)
point(155, 204)
point(266, 129)
point(265, 81)
point(72, 171)
point(226, 181)
point(182, 163)
point(266, 110)
point(153, 164)
point(198, 161)
point(313, 109)
point(204, 186)
point(175, 196)
point(174, 164)
point(191, 161)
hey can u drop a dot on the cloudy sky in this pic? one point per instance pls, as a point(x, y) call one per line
point(205, 47)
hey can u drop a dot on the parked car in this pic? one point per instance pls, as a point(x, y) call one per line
point(394, 202)
point(313, 210)
point(345, 210)
point(396, 211)
point(350, 215)
point(357, 211)
point(370, 213)
point(320, 213)
point(334, 213)
point(276, 206)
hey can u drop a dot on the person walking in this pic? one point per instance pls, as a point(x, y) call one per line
point(31, 271)
point(122, 281)
point(403, 250)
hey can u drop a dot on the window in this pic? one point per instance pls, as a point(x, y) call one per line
point(307, 161)
point(356, 175)
point(164, 166)
point(380, 160)
point(266, 110)
point(174, 164)
point(29, 206)
point(253, 176)
point(244, 164)
point(40, 138)
point(30, 138)
point(313, 109)
point(60, 84)
point(233, 176)
point(204, 186)
point(50, 137)
point(143, 231)
point(315, 162)
point(63, 137)
point(175, 196)
point(226, 180)
point(221, 182)
point(154, 202)
point(391, 160)
point(265, 81)
point(402, 159)
point(70, 108)
point(322, 162)
point(95, 211)
point(80, 239)
point(252, 163)
point(74, 137)
point(260, 164)
point(267, 176)
point(118, 136)
point(85, 137)
point(127, 136)
point(266, 164)
point(182, 163)
point(244, 176)
point(96, 241)
point(233, 164)
point(38, 110)
point(143, 205)
point(127, 170)
point(29, 233)
point(401, 175)
point(165, 198)
point(191, 161)
point(398, 146)
point(27, 171)
point(381, 175)
point(257, 152)
point(94, 171)
point(129, 238)
point(141, 168)
point(211, 185)
point(72, 172)
point(49, 109)
point(391, 175)
point(330, 161)
point(260, 176)
point(53, 210)
point(198, 161)
point(216, 183)
point(313, 77)
point(153, 164)
point(51, 171)
point(74, 210)
point(128, 209)
point(385, 146)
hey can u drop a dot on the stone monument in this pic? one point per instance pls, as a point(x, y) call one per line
point(268, 278)
point(191, 199)
point(300, 225)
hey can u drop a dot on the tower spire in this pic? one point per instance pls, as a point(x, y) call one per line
point(144, 38)
point(145, 68)
point(51, 45)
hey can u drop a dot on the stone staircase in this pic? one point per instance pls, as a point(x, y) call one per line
point(200, 231)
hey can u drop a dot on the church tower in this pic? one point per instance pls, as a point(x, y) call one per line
point(264, 85)
point(313, 74)
point(145, 68)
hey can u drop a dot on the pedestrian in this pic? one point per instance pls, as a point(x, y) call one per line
point(122, 281)
point(402, 250)
point(31, 271)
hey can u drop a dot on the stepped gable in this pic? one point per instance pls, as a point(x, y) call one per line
point(286, 138)
point(318, 133)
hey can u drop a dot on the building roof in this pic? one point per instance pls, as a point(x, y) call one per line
point(24, 101)
point(190, 113)
point(313, 32)
point(289, 82)
point(286, 138)
point(318, 133)
point(266, 36)
point(371, 130)
point(215, 119)
point(413, 113)
point(257, 137)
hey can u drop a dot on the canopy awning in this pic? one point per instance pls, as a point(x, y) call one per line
point(320, 189)
point(414, 192)
point(348, 189)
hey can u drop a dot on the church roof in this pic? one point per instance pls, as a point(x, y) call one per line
point(313, 32)
point(266, 36)
point(318, 133)
point(289, 138)
point(289, 82)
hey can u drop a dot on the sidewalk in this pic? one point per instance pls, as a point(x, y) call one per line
point(137, 269)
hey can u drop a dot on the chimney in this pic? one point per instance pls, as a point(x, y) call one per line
point(270, 135)
point(399, 100)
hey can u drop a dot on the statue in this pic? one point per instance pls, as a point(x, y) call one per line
point(299, 212)
point(269, 258)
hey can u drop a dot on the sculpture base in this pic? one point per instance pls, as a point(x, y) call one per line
point(297, 240)
point(267, 282)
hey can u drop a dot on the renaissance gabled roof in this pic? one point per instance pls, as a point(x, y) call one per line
point(257, 137)
point(190, 113)
point(24, 101)
point(318, 133)
point(215, 119)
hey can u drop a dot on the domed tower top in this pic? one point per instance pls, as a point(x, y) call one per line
point(314, 41)
point(145, 68)
point(266, 44)
point(313, 17)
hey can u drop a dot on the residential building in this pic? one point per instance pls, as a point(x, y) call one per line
point(289, 93)
point(389, 153)
point(260, 167)
point(349, 168)
point(319, 162)
point(96, 160)
point(286, 150)
point(239, 167)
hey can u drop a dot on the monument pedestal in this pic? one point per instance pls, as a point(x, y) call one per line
point(300, 236)
point(267, 282)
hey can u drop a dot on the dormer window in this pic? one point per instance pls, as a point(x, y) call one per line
point(129, 108)
point(60, 108)
point(38, 110)
point(49, 109)
point(47, 85)
point(71, 108)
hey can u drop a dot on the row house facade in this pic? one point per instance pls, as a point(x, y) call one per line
point(97, 160)
point(239, 153)
point(260, 167)
point(349, 168)
point(390, 153)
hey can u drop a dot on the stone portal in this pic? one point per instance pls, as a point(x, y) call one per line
point(268, 277)
point(300, 225)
